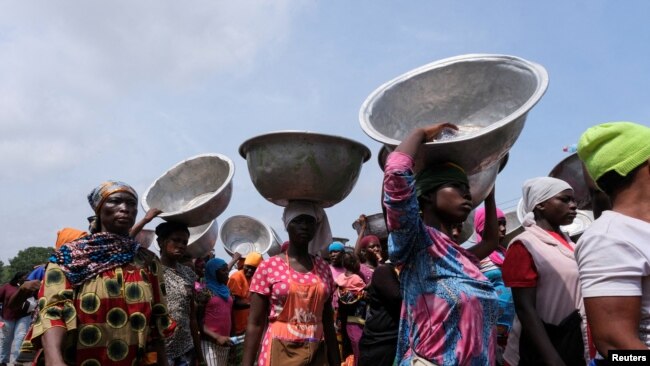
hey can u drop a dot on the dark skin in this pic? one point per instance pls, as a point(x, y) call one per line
point(614, 320)
point(451, 204)
point(116, 216)
point(549, 215)
point(301, 231)
point(371, 254)
point(220, 339)
point(172, 251)
point(241, 302)
point(335, 258)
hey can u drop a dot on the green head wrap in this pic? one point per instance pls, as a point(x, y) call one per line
point(432, 178)
point(618, 146)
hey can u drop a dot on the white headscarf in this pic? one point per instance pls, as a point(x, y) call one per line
point(538, 190)
point(323, 237)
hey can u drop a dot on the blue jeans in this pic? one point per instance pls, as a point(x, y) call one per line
point(13, 334)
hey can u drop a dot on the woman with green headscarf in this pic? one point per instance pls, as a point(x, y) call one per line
point(449, 308)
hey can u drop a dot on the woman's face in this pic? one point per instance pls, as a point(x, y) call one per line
point(175, 244)
point(453, 202)
point(502, 228)
point(374, 249)
point(559, 209)
point(118, 213)
point(302, 229)
point(222, 274)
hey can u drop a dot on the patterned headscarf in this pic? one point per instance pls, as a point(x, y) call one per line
point(432, 178)
point(85, 258)
point(213, 284)
point(323, 237)
point(99, 194)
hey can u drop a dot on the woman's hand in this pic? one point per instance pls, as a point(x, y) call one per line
point(152, 214)
point(432, 131)
point(418, 136)
point(223, 341)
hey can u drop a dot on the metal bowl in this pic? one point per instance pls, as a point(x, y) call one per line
point(487, 96)
point(202, 239)
point(145, 237)
point(244, 234)
point(293, 165)
point(376, 226)
point(194, 191)
point(571, 171)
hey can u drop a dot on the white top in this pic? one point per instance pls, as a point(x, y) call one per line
point(614, 260)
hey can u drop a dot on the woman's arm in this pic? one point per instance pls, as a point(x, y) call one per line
point(194, 329)
point(150, 215)
point(525, 299)
point(257, 321)
point(333, 357)
point(491, 230)
point(614, 322)
point(222, 340)
point(407, 231)
point(363, 223)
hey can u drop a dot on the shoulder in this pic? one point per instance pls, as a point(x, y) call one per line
point(187, 272)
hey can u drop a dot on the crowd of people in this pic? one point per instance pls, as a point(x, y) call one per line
point(416, 297)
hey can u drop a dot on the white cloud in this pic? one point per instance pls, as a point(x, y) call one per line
point(66, 67)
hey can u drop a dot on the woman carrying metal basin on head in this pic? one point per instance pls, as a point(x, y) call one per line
point(449, 307)
point(291, 298)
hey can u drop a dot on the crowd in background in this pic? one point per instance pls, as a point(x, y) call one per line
point(415, 298)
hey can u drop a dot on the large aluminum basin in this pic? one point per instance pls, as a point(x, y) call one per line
point(194, 191)
point(244, 234)
point(487, 96)
point(202, 239)
point(296, 165)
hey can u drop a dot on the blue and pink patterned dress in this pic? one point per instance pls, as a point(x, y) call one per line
point(449, 308)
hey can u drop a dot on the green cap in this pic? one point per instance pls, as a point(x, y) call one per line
point(618, 146)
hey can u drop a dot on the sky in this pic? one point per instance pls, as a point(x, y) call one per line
point(123, 90)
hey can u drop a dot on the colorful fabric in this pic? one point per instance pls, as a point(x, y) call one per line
point(366, 240)
point(253, 259)
point(85, 258)
point(239, 286)
point(111, 318)
point(617, 146)
point(216, 287)
point(479, 225)
point(449, 308)
point(66, 235)
point(323, 236)
point(336, 246)
point(99, 194)
point(431, 178)
point(538, 190)
point(178, 283)
point(504, 294)
point(297, 302)
point(272, 280)
point(352, 282)
point(218, 315)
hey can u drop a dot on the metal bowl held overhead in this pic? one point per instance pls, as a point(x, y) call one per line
point(376, 226)
point(487, 96)
point(202, 239)
point(194, 191)
point(293, 165)
point(571, 171)
point(244, 234)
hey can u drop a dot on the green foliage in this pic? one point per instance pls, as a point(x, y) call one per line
point(25, 260)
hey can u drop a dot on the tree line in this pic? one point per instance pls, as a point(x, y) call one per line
point(25, 260)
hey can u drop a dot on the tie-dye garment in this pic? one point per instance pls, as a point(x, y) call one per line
point(449, 308)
